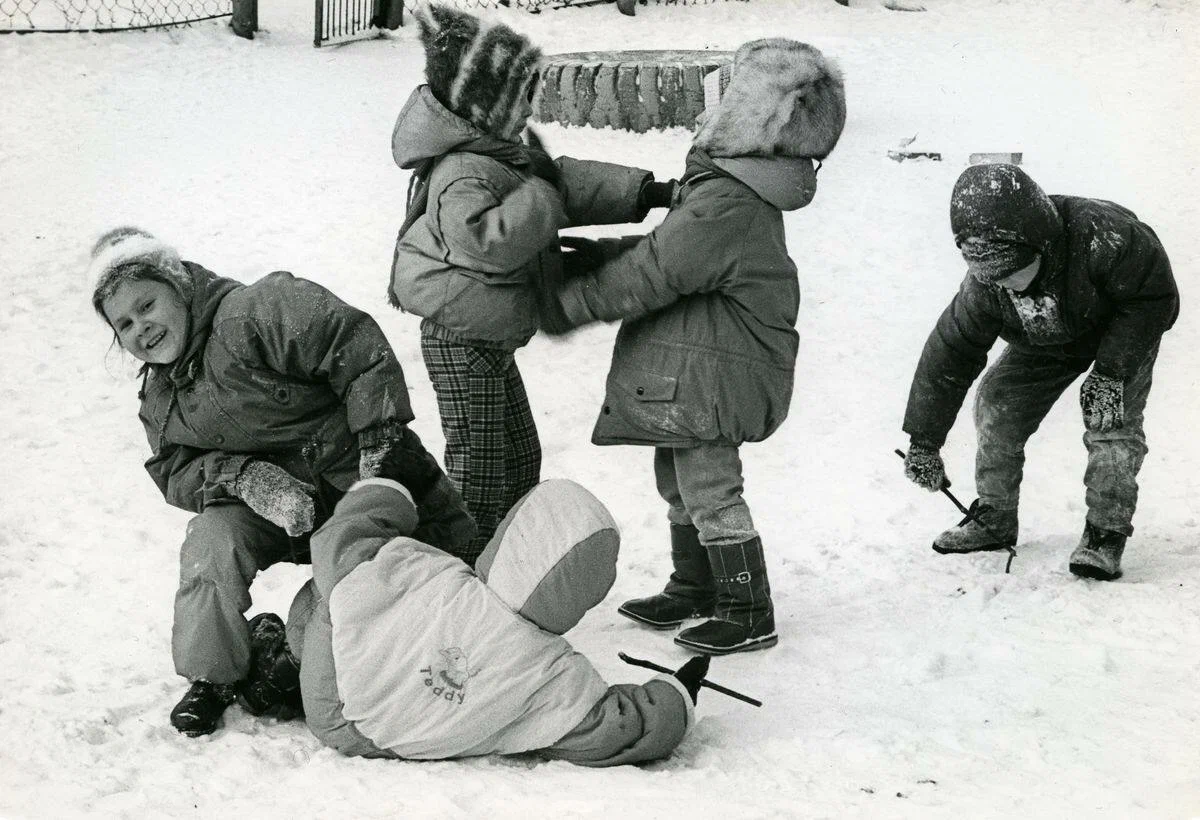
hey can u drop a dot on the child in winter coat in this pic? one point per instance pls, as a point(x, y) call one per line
point(705, 355)
point(262, 404)
point(481, 232)
point(407, 653)
point(1070, 283)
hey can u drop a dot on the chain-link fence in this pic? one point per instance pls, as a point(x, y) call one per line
point(22, 16)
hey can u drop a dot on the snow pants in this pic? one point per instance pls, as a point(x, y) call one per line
point(702, 486)
point(493, 454)
point(630, 724)
point(1014, 397)
point(225, 547)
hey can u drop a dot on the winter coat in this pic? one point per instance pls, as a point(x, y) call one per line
point(709, 299)
point(405, 652)
point(280, 370)
point(490, 229)
point(1104, 293)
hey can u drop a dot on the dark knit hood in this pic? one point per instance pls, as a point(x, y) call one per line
point(1000, 203)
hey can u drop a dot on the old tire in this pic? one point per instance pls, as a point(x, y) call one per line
point(631, 90)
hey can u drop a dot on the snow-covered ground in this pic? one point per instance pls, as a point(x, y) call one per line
point(905, 684)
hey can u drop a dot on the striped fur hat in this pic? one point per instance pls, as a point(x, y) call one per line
point(782, 98)
point(477, 69)
point(128, 253)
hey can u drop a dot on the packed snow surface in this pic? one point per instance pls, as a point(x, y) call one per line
point(905, 684)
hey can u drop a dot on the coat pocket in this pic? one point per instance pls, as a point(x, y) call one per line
point(651, 386)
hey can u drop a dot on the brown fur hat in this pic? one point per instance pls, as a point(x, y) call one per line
point(475, 68)
point(784, 98)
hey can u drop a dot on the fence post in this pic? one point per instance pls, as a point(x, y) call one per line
point(245, 18)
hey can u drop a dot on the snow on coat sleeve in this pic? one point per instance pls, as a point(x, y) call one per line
point(694, 250)
point(1136, 276)
point(488, 229)
point(954, 355)
point(298, 328)
point(601, 193)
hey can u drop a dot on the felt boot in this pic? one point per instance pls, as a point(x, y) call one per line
point(744, 617)
point(1098, 554)
point(690, 592)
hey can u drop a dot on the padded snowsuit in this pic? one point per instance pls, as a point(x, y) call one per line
point(405, 652)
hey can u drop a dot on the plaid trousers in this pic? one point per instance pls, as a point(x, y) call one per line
point(492, 450)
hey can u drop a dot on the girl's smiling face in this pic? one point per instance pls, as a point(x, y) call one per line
point(150, 320)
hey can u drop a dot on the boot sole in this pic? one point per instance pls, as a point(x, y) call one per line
point(987, 548)
point(647, 622)
point(1095, 573)
point(764, 642)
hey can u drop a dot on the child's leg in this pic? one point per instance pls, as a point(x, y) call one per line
point(710, 481)
point(690, 591)
point(1115, 458)
point(225, 547)
point(471, 390)
point(1012, 399)
point(522, 449)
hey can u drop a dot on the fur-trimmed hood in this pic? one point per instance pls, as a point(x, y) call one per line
point(784, 98)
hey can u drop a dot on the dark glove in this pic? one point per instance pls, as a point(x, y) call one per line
point(691, 673)
point(923, 466)
point(656, 194)
point(580, 255)
point(1103, 401)
point(274, 494)
point(391, 450)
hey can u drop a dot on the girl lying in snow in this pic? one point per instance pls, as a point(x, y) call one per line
point(405, 652)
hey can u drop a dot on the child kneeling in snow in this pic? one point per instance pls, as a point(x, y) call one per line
point(405, 652)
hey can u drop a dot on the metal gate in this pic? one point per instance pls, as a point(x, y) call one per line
point(340, 21)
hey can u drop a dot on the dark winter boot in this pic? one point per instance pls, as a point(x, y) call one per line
point(627, 7)
point(690, 592)
point(692, 673)
point(1098, 554)
point(273, 683)
point(998, 531)
point(200, 710)
point(744, 617)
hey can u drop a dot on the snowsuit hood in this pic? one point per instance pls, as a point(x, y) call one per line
point(426, 130)
point(788, 183)
point(208, 290)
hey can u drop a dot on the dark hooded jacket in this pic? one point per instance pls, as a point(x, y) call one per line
point(1104, 293)
point(279, 370)
point(707, 349)
point(490, 229)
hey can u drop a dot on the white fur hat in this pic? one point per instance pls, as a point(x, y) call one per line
point(127, 253)
point(783, 98)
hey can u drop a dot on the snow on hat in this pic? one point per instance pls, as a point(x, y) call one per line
point(780, 98)
point(477, 69)
point(554, 556)
point(127, 253)
point(998, 202)
point(1001, 220)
